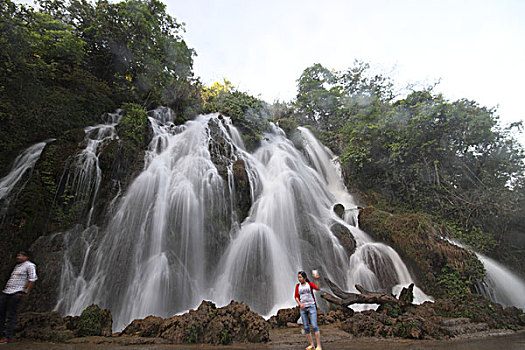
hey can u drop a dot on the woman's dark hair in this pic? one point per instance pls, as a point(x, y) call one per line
point(302, 273)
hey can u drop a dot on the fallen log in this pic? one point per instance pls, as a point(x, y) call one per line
point(344, 299)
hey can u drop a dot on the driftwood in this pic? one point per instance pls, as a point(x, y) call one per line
point(344, 299)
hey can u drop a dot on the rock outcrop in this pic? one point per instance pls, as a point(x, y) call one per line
point(207, 324)
point(345, 237)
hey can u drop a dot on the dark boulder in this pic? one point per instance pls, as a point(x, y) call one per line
point(243, 195)
point(146, 327)
point(284, 317)
point(339, 209)
point(345, 237)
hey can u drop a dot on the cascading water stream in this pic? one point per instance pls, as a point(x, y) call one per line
point(175, 238)
point(24, 162)
point(500, 284)
point(82, 178)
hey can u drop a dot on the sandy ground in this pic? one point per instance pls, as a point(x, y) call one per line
point(291, 338)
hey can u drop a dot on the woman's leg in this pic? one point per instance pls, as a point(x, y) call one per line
point(306, 326)
point(312, 311)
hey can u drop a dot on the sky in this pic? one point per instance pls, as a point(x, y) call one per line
point(475, 49)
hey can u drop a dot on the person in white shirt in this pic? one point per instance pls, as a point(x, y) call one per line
point(17, 287)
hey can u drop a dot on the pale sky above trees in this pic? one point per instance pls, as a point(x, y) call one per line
point(475, 48)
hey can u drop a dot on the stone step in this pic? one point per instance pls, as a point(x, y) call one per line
point(465, 328)
point(450, 322)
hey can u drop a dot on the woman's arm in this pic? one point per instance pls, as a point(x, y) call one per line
point(299, 303)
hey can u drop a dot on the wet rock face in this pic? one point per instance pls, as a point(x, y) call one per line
point(48, 251)
point(221, 151)
point(339, 209)
point(45, 205)
point(345, 237)
point(242, 190)
point(32, 214)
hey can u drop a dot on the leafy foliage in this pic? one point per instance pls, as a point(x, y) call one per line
point(134, 124)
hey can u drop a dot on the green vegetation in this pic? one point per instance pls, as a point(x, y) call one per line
point(451, 283)
point(193, 333)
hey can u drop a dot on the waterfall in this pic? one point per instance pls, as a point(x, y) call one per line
point(175, 238)
point(23, 163)
point(500, 284)
point(82, 177)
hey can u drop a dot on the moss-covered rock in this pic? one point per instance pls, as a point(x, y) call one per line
point(94, 321)
point(49, 204)
point(34, 212)
point(339, 210)
point(442, 269)
point(443, 318)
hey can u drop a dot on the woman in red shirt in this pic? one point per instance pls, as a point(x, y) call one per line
point(304, 295)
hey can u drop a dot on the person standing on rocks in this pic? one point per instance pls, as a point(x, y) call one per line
point(17, 287)
point(304, 295)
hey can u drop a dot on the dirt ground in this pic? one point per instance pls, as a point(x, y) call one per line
point(291, 338)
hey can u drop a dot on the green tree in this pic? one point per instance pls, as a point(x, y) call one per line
point(135, 46)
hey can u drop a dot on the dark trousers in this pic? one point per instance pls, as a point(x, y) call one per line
point(8, 313)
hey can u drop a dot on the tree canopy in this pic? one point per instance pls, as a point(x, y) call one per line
point(67, 63)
